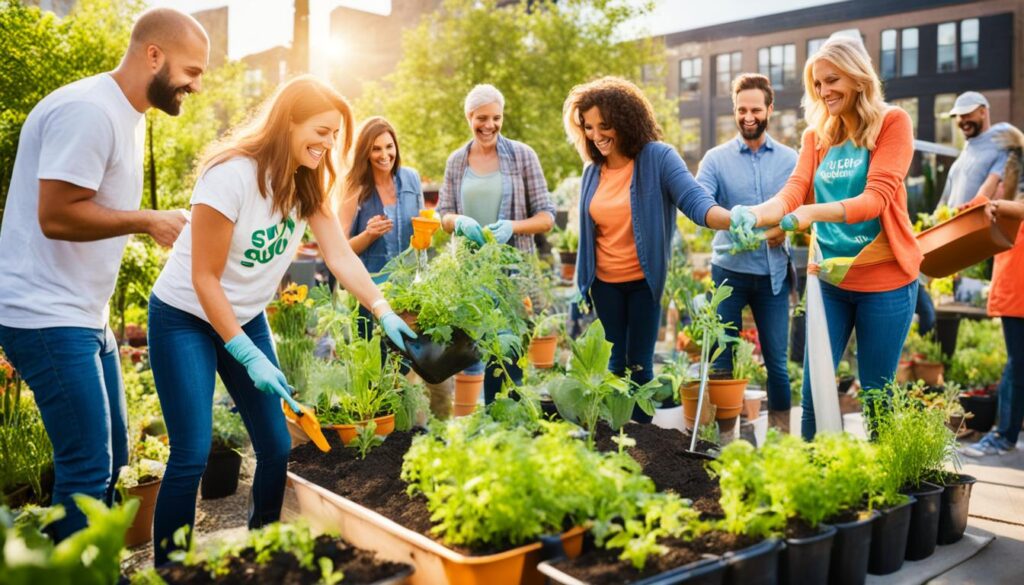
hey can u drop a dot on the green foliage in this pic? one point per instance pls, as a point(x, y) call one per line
point(140, 266)
point(913, 442)
point(42, 53)
point(744, 365)
point(477, 290)
point(925, 347)
point(487, 484)
point(707, 325)
point(228, 429)
point(848, 467)
point(25, 450)
point(361, 384)
point(534, 52)
point(589, 392)
point(90, 556)
point(147, 461)
point(567, 240)
point(980, 354)
point(366, 439)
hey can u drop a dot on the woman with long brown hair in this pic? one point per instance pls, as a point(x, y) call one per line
point(257, 191)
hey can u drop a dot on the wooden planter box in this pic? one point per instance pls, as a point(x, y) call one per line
point(435, 563)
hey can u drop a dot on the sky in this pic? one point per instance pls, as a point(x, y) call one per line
point(255, 25)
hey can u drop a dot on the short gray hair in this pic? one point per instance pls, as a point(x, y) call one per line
point(481, 95)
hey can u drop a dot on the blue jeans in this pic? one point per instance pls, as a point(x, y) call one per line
point(771, 314)
point(494, 378)
point(185, 353)
point(75, 374)
point(881, 320)
point(631, 316)
point(1011, 387)
point(925, 310)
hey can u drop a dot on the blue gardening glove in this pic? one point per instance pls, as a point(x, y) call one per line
point(263, 372)
point(502, 230)
point(790, 222)
point(741, 219)
point(468, 227)
point(394, 327)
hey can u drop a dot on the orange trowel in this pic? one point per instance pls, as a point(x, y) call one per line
point(304, 417)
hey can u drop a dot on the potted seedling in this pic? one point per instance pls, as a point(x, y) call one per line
point(567, 243)
point(544, 339)
point(745, 366)
point(141, 479)
point(220, 479)
point(927, 356)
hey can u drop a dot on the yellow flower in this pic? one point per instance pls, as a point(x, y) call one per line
point(294, 293)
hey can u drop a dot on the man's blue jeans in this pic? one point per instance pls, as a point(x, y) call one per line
point(771, 314)
point(185, 353)
point(631, 316)
point(881, 320)
point(75, 375)
point(1011, 387)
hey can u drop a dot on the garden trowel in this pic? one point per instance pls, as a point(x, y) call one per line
point(304, 417)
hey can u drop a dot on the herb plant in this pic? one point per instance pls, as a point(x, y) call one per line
point(228, 429)
point(744, 365)
point(25, 450)
point(366, 439)
point(290, 316)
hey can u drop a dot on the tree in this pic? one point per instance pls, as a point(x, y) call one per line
point(42, 53)
point(534, 52)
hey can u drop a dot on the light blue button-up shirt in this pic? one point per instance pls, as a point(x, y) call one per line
point(736, 175)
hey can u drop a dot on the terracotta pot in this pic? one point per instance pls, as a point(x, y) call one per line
point(542, 351)
point(905, 371)
point(964, 240)
point(727, 396)
point(930, 372)
point(752, 400)
point(348, 433)
point(688, 396)
point(467, 393)
point(568, 271)
point(141, 530)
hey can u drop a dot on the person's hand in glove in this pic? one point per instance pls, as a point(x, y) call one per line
point(468, 227)
point(394, 327)
point(502, 230)
point(741, 219)
point(265, 375)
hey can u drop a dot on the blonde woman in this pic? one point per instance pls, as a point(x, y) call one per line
point(848, 185)
point(257, 191)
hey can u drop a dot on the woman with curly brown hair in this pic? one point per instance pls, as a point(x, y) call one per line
point(632, 185)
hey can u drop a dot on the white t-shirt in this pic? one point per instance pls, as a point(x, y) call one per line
point(262, 246)
point(88, 134)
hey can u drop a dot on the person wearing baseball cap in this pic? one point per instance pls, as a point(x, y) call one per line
point(979, 168)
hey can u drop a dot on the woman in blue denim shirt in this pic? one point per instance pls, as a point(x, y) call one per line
point(381, 198)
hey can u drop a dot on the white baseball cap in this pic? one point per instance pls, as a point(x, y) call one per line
point(967, 102)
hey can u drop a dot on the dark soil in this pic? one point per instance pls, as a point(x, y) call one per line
point(372, 482)
point(603, 567)
point(797, 528)
point(665, 458)
point(283, 568)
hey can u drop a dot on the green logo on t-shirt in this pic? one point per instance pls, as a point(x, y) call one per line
point(268, 243)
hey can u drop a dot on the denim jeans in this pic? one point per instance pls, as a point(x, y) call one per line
point(771, 314)
point(185, 353)
point(925, 310)
point(494, 378)
point(631, 316)
point(1011, 387)
point(881, 320)
point(75, 375)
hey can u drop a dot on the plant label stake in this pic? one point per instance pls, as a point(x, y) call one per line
point(703, 385)
point(304, 417)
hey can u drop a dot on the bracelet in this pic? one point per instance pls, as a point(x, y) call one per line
point(379, 301)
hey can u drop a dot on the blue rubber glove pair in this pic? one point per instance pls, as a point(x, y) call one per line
point(265, 375)
point(394, 327)
point(468, 227)
point(502, 230)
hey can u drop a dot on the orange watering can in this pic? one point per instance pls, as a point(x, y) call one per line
point(423, 228)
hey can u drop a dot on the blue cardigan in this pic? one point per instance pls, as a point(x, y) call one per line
point(661, 184)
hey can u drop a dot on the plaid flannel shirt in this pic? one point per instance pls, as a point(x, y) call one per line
point(524, 189)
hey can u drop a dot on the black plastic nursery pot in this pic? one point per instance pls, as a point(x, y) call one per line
point(851, 548)
point(953, 507)
point(754, 565)
point(806, 560)
point(435, 362)
point(924, 521)
point(889, 539)
point(984, 410)
point(709, 571)
point(220, 479)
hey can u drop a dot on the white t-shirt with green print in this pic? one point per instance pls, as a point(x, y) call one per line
point(262, 246)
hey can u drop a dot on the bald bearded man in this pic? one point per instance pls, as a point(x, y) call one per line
point(73, 202)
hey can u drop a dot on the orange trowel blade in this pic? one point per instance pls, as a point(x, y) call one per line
point(309, 424)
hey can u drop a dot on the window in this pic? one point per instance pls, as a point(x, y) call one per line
point(908, 52)
point(725, 128)
point(969, 44)
point(957, 46)
point(946, 131)
point(814, 44)
point(689, 78)
point(910, 106)
point(689, 142)
point(785, 127)
point(727, 68)
point(888, 63)
point(778, 63)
